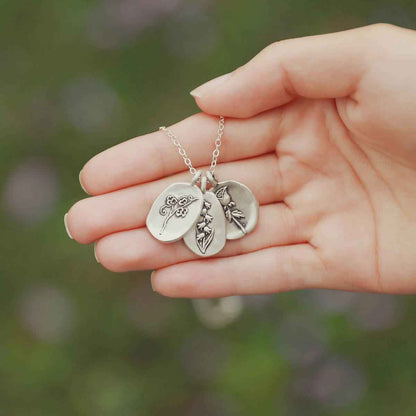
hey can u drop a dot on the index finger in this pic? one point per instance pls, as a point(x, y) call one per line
point(317, 67)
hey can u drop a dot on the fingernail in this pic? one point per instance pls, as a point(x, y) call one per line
point(209, 86)
point(80, 182)
point(95, 254)
point(66, 226)
point(151, 280)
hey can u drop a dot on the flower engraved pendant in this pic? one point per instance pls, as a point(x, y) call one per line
point(208, 235)
point(174, 212)
point(240, 207)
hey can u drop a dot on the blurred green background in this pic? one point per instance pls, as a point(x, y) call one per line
point(79, 76)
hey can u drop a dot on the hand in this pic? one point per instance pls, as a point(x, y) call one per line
point(323, 131)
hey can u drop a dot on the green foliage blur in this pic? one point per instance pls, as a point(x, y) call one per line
point(77, 77)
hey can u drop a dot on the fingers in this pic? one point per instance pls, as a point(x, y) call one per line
point(138, 250)
point(269, 270)
point(92, 218)
point(325, 66)
point(153, 156)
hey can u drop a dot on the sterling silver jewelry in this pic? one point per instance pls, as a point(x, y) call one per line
point(205, 219)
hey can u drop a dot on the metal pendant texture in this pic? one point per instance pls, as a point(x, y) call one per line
point(240, 207)
point(174, 212)
point(207, 237)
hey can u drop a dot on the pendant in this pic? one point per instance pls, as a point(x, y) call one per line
point(240, 206)
point(175, 211)
point(204, 219)
point(207, 237)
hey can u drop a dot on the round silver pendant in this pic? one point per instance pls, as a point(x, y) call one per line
point(174, 212)
point(208, 235)
point(240, 208)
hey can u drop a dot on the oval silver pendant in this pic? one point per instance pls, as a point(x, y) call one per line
point(241, 208)
point(207, 237)
point(174, 212)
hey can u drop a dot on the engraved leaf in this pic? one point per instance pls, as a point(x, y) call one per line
point(237, 213)
point(204, 240)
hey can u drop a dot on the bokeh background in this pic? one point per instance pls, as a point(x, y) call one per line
point(79, 76)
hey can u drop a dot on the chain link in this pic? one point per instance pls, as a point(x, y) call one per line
point(218, 142)
point(182, 151)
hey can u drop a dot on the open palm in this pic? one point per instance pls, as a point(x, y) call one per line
point(321, 130)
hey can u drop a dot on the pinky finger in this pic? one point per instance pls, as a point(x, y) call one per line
point(270, 270)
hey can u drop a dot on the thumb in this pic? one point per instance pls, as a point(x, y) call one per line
point(324, 66)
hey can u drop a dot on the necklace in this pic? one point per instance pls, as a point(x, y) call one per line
point(204, 218)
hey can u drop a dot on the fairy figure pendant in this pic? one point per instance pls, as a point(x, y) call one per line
point(205, 219)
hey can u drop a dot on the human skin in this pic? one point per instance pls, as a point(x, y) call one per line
point(322, 129)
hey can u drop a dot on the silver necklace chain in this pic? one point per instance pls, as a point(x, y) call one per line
point(182, 151)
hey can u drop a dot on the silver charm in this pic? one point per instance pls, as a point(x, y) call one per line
point(205, 219)
point(207, 237)
point(174, 211)
point(241, 208)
